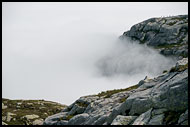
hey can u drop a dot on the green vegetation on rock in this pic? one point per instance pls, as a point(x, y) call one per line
point(108, 93)
point(21, 108)
point(123, 99)
point(164, 71)
point(168, 46)
point(171, 117)
point(81, 104)
point(69, 117)
point(179, 68)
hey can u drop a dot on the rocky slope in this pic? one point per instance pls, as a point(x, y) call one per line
point(159, 101)
point(169, 35)
point(28, 112)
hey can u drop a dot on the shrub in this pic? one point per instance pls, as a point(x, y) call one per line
point(165, 71)
point(81, 104)
point(179, 68)
point(123, 99)
point(69, 117)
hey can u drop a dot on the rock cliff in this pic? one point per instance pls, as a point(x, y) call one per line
point(169, 35)
point(162, 100)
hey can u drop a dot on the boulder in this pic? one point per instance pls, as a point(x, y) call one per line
point(38, 122)
point(4, 118)
point(30, 117)
point(137, 102)
point(9, 116)
point(183, 119)
point(52, 120)
point(92, 119)
point(143, 119)
point(123, 120)
point(3, 123)
point(62, 122)
point(172, 94)
point(158, 111)
point(78, 119)
point(156, 120)
point(76, 110)
point(4, 106)
point(100, 120)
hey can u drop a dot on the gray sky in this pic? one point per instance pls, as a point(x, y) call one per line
point(49, 50)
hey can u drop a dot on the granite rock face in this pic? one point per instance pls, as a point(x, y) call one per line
point(123, 120)
point(162, 100)
point(168, 34)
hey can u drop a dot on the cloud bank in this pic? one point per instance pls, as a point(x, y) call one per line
point(130, 59)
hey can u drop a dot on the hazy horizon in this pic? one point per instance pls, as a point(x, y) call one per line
point(62, 51)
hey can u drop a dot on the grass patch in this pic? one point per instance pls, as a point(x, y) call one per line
point(122, 99)
point(18, 122)
point(178, 18)
point(69, 117)
point(184, 55)
point(164, 71)
point(108, 93)
point(179, 68)
point(81, 104)
point(168, 46)
point(171, 117)
point(171, 23)
point(28, 107)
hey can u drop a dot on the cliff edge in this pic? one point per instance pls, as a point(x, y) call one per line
point(169, 35)
point(162, 100)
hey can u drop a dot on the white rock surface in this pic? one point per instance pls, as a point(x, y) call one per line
point(4, 106)
point(30, 117)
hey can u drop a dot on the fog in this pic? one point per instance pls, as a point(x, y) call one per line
point(61, 51)
point(130, 59)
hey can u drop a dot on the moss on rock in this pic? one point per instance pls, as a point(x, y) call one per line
point(108, 93)
point(22, 108)
point(179, 68)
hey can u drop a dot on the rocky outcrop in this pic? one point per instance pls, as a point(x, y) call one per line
point(169, 34)
point(162, 100)
point(159, 101)
point(28, 112)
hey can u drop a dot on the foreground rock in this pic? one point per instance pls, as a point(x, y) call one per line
point(159, 101)
point(4, 106)
point(28, 112)
point(123, 120)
